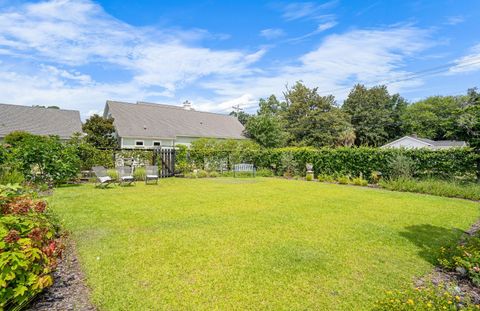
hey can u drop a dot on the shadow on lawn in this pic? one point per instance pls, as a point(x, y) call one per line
point(429, 239)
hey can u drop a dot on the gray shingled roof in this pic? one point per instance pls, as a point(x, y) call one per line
point(164, 121)
point(443, 143)
point(39, 121)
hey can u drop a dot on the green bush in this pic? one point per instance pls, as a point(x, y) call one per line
point(29, 248)
point(360, 161)
point(16, 138)
point(213, 174)
point(401, 166)
point(446, 188)
point(326, 178)
point(139, 173)
point(359, 181)
point(343, 180)
point(46, 159)
point(202, 174)
point(264, 172)
point(112, 173)
point(190, 175)
point(463, 258)
point(10, 176)
point(429, 297)
point(309, 177)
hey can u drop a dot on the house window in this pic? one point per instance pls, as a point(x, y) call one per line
point(156, 144)
point(139, 143)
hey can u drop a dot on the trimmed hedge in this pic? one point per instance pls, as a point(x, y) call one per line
point(352, 162)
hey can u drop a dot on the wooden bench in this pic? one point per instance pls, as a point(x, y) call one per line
point(243, 167)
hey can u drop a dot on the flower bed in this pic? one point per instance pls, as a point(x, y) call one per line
point(29, 247)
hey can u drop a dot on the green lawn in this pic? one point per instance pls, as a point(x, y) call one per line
point(237, 244)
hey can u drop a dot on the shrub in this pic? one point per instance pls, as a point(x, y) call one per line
point(264, 172)
point(10, 176)
point(343, 180)
point(190, 175)
point(429, 297)
point(202, 174)
point(359, 181)
point(46, 159)
point(16, 138)
point(213, 174)
point(139, 173)
point(325, 178)
point(112, 173)
point(89, 155)
point(375, 177)
point(29, 247)
point(309, 177)
point(401, 167)
point(446, 188)
point(463, 258)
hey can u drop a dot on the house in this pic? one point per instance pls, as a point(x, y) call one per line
point(39, 121)
point(417, 142)
point(148, 125)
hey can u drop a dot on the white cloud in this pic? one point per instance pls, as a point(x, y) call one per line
point(272, 33)
point(455, 20)
point(366, 56)
point(307, 10)
point(470, 62)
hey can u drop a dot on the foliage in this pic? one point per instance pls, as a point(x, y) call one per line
point(219, 155)
point(359, 181)
point(445, 188)
point(343, 180)
point(46, 159)
point(242, 116)
point(89, 155)
point(16, 138)
point(463, 258)
point(100, 132)
point(29, 247)
point(429, 297)
point(434, 117)
point(373, 112)
point(364, 160)
point(181, 159)
point(264, 172)
point(139, 173)
point(267, 130)
point(10, 176)
point(401, 166)
point(313, 120)
point(232, 234)
point(309, 177)
point(213, 174)
point(112, 173)
point(202, 174)
point(326, 178)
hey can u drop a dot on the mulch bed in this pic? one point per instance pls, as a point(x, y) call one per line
point(69, 290)
point(464, 287)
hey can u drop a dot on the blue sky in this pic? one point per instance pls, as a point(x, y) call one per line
point(216, 54)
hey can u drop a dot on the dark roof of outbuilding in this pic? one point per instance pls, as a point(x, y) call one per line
point(39, 121)
point(165, 121)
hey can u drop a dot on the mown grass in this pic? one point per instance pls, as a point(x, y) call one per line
point(254, 244)
point(438, 187)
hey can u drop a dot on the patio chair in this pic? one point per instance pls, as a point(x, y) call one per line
point(102, 179)
point(125, 175)
point(151, 173)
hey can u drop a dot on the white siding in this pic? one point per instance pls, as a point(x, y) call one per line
point(408, 143)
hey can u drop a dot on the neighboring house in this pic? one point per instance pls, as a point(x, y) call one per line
point(417, 142)
point(147, 125)
point(39, 121)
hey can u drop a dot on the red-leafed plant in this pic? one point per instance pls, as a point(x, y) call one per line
point(29, 247)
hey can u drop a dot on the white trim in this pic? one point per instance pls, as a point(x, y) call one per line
point(406, 137)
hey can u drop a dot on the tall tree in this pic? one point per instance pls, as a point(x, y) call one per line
point(469, 123)
point(100, 132)
point(371, 112)
point(242, 116)
point(313, 120)
point(267, 130)
point(435, 117)
point(271, 106)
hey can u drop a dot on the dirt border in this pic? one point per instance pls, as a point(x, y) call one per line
point(69, 291)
